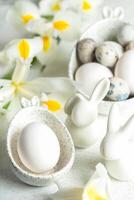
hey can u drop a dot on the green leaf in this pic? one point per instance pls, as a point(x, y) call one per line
point(58, 39)
point(49, 18)
point(1, 86)
point(6, 105)
point(43, 68)
point(34, 61)
point(8, 76)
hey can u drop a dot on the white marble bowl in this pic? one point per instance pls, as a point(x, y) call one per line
point(101, 31)
point(39, 114)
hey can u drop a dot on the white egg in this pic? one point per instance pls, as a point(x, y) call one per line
point(38, 147)
point(125, 69)
point(88, 75)
point(125, 34)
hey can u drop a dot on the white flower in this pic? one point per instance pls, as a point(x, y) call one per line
point(98, 188)
point(55, 103)
point(99, 185)
point(23, 49)
point(22, 12)
point(64, 25)
point(19, 86)
point(79, 6)
point(50, 7)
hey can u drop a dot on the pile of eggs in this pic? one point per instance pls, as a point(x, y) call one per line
point(110, 59)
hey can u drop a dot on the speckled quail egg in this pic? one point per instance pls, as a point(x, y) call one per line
point(85, 50)
point(130, 46)
point(119, 90)
point(118, 48)
point(106, 55)
point(125, 34)
point(88, 75)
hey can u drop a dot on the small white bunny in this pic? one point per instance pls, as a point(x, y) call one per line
point(117, 147)
point(83, 122)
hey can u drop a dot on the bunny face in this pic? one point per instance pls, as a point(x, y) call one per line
point(116, 143)
point(83, 110)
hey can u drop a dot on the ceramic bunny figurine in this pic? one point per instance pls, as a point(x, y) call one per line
point(83, 122)
point(117, 147)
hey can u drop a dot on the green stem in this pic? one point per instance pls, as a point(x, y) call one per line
point(21, 71)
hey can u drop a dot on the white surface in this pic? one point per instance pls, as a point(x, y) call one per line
point(12, 188)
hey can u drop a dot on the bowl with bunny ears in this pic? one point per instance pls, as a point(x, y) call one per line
point(106, 50)
point(20, 148)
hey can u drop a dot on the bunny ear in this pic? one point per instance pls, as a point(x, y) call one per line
point(82, 90)
point(107, 12)
point(114, 119)
point(129, 127)
point(101, 90)
point(119, 13)
point(71, 102)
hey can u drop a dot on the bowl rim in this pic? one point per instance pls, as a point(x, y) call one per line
point(73, 54)
point(65, 169)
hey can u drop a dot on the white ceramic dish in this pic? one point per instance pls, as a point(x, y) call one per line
point(101, 31)
point(39, 114)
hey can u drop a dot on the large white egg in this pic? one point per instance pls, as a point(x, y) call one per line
point(125, 69)
point(89, 75)
point(38, 147)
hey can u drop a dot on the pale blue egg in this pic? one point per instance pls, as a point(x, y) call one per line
point(119, 90)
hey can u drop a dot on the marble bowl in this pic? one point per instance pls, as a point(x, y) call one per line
point(104, 30)
point(39, 114)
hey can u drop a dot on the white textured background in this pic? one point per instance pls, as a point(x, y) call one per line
point(12, 189)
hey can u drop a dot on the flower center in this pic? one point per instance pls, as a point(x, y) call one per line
point(53, 105)
point(86, 6)
point(16, 86)
point(24, 49)
point(93, 195)
point(61, 25)
point(56, 7)
point(27, 18)
point(46, 43)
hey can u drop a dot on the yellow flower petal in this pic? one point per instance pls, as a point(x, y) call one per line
point(27, 18)
point(53, 105)
point(56, 7)
point(61, 25)
point(46, 43)
point(24, 49)
point(93, 195)
point(86, 5)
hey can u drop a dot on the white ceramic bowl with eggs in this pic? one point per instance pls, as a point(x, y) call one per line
point(67, 152)
point(104, 30)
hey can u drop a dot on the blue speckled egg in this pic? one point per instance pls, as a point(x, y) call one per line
point(119, 90)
